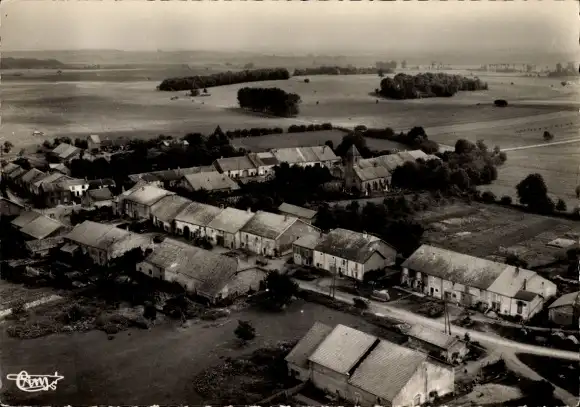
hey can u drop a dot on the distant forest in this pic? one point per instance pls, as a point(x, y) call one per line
point(30, 63)
point(335, 70)
point(223, 78)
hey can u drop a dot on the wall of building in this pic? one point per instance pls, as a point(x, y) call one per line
point(299, 372)
point(193, 229)
point(150, 270)
point(187, 283)
point(302, 256)
point(429, 377)
point(258, 244)
point(376, 261)
point(564, 315)
point(136, 210)
point(98, 256)
point(330, 382)
point(293, 233)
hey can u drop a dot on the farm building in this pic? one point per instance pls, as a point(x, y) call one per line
point(27, 179)
point(102, 183)
point(137, 202)
point(13, 173)
point(169, 178)
point(565, 310)
point(211, 276)
point(55, 194)
point(224, 229)
point(94, 142)
point(236, 167)
point(265, 162)
point(98, 198)
point(33, 225)
point(271, 234)
point(164, 211)
point(8, 168)
point(65, 153)
point(208, 181)
point(435, 342)
point(352, 254)
point(42, 247)
point(366, 370)
point(46, 179)
point(9, 208)
point(472, 281)
point(104, 242)
point(191, 222)
point(303, 248)
point(305, 214)
point(306, 156)
point(59, 168)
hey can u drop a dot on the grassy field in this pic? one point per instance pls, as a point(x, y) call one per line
point(561, 373)
point(153, 366)
point(489, 231)
point(9, 292)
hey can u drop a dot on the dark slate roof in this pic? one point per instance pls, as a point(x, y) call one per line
point(524, 295)
point(297, 211)
point(353, 246)
point(268, 225)
point(101, 194)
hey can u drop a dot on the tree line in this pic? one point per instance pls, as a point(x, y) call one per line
point(425, 85)
point(272, 101)
point(265, 131)
point(335, 70)
point(388, 65)
point(223, 78)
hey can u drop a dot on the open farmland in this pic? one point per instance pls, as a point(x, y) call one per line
point(490, 231)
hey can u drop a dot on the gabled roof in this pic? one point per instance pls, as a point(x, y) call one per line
point(513, 279)
point(432, 336)
point(297, 211)
point(25, 218)
point(44, 244)
point(94, 138)
point(147, 195)
point(524, 295)
point(387, 369)
point(49, 178)
point(60, 167)
point(309, 241)
point(269, 225)
point(198, 214)
point(457, 267)
point(569, 299)
point(353, 246)
point(371, 173)
point(41, 227)
point(99, 195)
point(65, 150)
point(296, 155)
point(16, 173)
point(167, 208)
point(265, 158)
point(342, 349)
point(210, 181)
point(230, 220)
point(307, 345)
point(32, 176)
point(235, 163)
point(8, 168)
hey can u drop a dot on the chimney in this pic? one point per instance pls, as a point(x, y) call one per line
point(517, 270)
point(364, 234)
point(525, 284)
point(249, 210)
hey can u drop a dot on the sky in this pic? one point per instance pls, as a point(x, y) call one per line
point(291, 26)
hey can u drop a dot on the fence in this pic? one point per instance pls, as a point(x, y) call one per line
point(286, 392)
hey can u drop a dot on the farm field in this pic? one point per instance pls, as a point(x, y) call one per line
point(101, 371)
point(493, 231)
point(10, 292)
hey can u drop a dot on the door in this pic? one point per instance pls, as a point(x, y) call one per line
point(431, 291)
point(220, 240)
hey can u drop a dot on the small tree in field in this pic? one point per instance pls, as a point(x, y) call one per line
point(245, 331)
point(561, 205)
point(548, 136)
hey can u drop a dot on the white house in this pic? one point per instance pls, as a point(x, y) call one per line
point(352, 254)
point(236, 167)
point(164, 211)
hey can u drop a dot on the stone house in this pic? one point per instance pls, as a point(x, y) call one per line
point(224, 229)
point(191, 222)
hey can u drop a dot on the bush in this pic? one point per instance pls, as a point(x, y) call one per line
point(488, 197)
point(306, 80)
point(18, 308)
point(561, 205)
point(360, 303)
point(506, 200)
point(500, 103)
point(245, 331)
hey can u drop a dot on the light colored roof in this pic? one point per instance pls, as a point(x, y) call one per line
point(432, 336)
point(235, 163)
point(210, 271)
point(512, 279)
point(147, 195)
point(353, 246)
point(44, 244)
point(101, 194)
point(106, 237)
point(60, 167)
point(309, 241)
point(41, 227)
point(371, 173)
point(25, 218)
point(171, 175)
point(95, 138)
point(268, 225)
point(387, 369)
point(167, 208)
point(211, 181)
point(265, 158)
point(198, 214)
point(567, 300)
point(305, 347)
point(230, 220)
point(296, 155)
point(32, 176)
point(297, 211)
point(457, 267)
point(65, 150)
point(412, 155)
point(342, 349)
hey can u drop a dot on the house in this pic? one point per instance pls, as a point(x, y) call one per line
point(64, 152)
point(436, 343)
point(9, 208)
point(42, 247)
point(102, 183)
point(208, 181)
point(94, 142)
point(352, 254)
point(59, 168)
point(102, 243)
point(307, 215)
point(149, 178)
point(170, 178)
point(366, 370)
point(236, 167)
point(33, 225)
point(224, 229)
point(471, 281)
point(78, 187)
point(137, 204)
point(27, 180)
point(264, 162)
point(191, 222)
point(211, 276)
point(565, 310)
point(271, 234)
point(164, 211)
point(55, 194)
point(303, 249)
point(13, 174)
point(98, 198)
point(306, 156)
point(46, 179)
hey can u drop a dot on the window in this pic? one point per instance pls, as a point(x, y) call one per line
point(150, 272)
point(343, 261)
